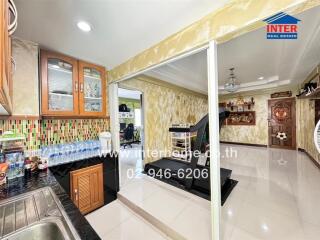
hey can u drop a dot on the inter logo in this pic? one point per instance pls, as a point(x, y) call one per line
point(282, 26)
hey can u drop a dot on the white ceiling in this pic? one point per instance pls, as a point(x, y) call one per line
point(131, 94)
point(121, 28)
point(280, 62)
point(190, 72)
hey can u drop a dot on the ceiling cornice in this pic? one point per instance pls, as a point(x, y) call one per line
point(294, 88)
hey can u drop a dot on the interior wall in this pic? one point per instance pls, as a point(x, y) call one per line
point(305, 127)
point(25, 78)
point(26, 100)
point(255, 134)
point(163, 106)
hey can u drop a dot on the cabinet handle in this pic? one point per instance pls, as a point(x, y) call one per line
point(76, 87)
point(13, 25)
point(76, 194)
point(14, 65)
point(81, 87)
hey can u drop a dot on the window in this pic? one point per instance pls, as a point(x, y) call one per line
point(137, 117)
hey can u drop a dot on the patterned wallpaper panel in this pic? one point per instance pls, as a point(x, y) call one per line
point(48, 132)
point(305, 111)
point(254, 134)
point(163, 107)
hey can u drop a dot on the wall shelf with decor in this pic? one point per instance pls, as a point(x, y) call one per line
point(310, 88)
point(242, 118)
point(240, 104)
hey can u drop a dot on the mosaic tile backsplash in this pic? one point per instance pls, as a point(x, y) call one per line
point(49, 132)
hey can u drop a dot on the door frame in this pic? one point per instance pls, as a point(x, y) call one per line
point(294, 131)
point(115, 123)
point(143, 115)
point(212, 63)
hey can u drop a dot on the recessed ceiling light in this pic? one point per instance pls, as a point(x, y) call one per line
point(265, 227)
point(261, 78)
point(84, 26)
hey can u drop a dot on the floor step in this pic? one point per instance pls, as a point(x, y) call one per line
point(167, 230)
point(176, 213)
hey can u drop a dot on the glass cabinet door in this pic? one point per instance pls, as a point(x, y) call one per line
point(92, 90)
point(59, 86)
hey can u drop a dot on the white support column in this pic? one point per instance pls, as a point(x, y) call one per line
point(114, 120)
point(213, 104)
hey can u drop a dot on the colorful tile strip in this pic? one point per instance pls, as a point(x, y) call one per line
point(49, 132)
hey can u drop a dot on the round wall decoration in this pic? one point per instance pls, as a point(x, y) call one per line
point(316, 136)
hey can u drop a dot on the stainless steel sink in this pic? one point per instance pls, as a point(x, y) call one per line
point(35, 215)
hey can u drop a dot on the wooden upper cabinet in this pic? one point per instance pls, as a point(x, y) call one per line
point(5, 54)
point(92, 98)
point(71, 88)
point(59, 85)
point(86, 188)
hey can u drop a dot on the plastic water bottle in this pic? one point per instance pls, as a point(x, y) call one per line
point(11, 172)
point(17, 169)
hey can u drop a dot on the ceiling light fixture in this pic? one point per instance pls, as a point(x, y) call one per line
point(84, 26)
point(231, 86)
point(265, 227)
point(261, 78)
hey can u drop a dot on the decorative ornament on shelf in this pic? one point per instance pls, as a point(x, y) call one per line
point(240, 100)
point(232, 85)
point(241, 103)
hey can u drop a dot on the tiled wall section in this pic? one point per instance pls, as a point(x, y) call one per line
point(30, 128)
point(48, 132)
point(62, 131)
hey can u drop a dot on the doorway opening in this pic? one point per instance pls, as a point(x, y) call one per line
point(131, 133)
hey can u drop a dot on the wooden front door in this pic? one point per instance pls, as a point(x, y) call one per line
point(282, 123)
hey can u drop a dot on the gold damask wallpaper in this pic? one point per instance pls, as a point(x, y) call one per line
point(305, 127)
point(256, 134)
point(165, 105)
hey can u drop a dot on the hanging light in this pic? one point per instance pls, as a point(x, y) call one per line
point(231, 86)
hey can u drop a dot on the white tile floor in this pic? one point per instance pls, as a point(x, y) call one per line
point(131, 162)
point(175, 208)
point(117, 222)
point(277, 198)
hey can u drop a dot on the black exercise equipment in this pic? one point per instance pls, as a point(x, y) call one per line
point(198, 185)
point(128, 135)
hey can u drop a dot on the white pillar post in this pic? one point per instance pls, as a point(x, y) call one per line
point(114, 121)
point(213, 104)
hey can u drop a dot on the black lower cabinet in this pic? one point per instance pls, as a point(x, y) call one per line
point(110, 174)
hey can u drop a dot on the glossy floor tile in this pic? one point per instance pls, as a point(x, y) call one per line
point(130, 163)
point(116, 222)
point(185, 213)
point(277, 197)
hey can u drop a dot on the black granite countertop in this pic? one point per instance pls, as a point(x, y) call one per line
point(42, 179)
